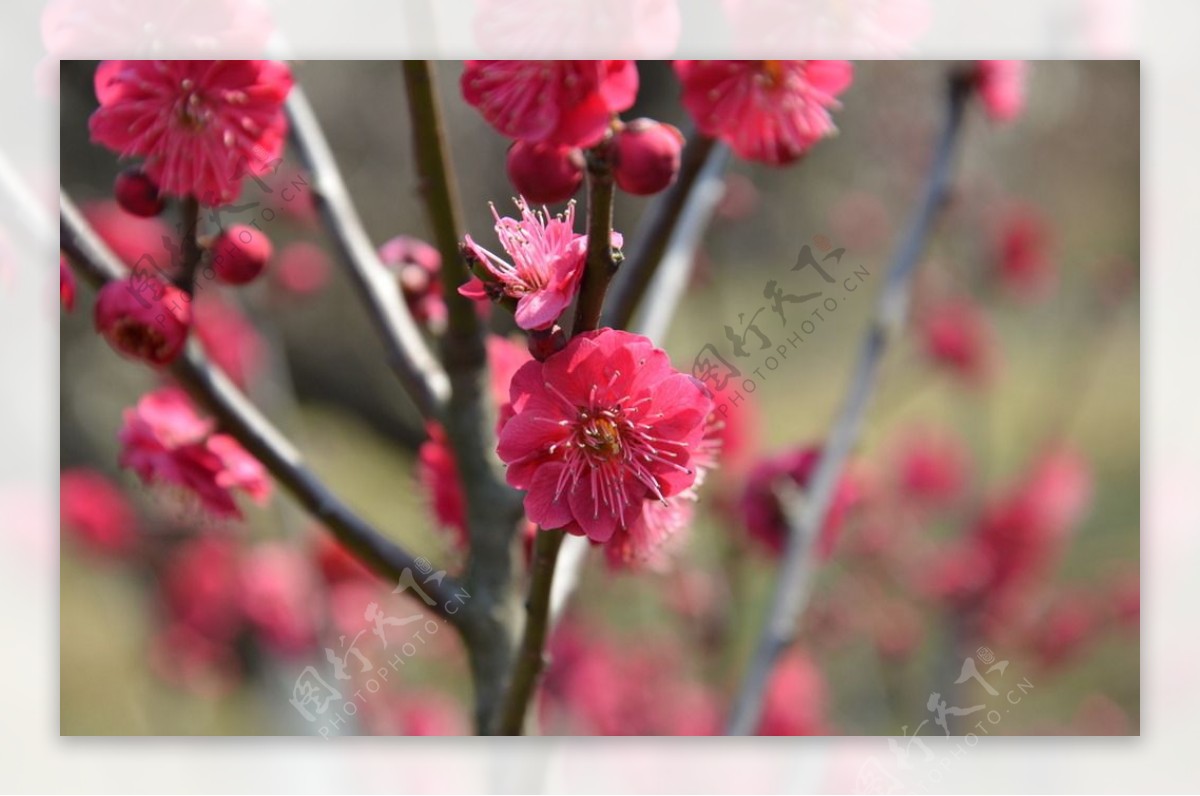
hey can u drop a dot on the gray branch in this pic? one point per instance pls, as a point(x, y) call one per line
point(806, 512)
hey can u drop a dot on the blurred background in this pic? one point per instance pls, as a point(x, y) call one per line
point(1021, 364)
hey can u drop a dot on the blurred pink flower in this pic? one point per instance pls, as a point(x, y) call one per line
point(768, 111)
point(66, 284)
point(601, 426)
point(1026, 267)
point(335, 563)
point(164, 441)
point(228, 337)
point(651, 538)
point(200, 125)
point(143, 318)
point(185, 658)
point(279, 597)
point(1015, 542)
point(956, 335)
point(1001, 86)
point(569, 103)
point(763, 515)
point(417, 267)
point(1068, 624)
point(95, 512)
point(932, 466)
point(302, 268)
point(597, 686)
point(428, 714)
point(437, 469)
point(132, 238)
point(201, 587)
point(796, 699)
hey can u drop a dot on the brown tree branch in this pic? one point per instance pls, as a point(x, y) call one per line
point(407, 354)
point(190, 245)
point(806, 512)
point(493, 508)
point(96, 263)
point(601, 265)
point(531, 658)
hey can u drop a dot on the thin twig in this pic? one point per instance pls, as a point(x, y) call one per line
point(190, 245)
point(599, 272)
point(531, 657)
point(668, 282)
point(238, 417)
point(806, 512)
point(407, 354)
point(493, 508)
point(601, 266)
point(654, 236)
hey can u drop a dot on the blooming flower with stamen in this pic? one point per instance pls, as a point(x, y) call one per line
point(547, 263)
point(768, 111)
point(200, 125)
point(599, 428)
point(653, 538)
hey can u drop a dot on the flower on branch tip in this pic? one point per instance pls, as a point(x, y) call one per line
point(1001, 86)
point(548, 260)
point(598, 429)
point(417, 267)
point(765, 517)
point(564, 103)
point(95, 512)
point(200, 125)
point(143, 317)
point(768, 111)
point(165, 441)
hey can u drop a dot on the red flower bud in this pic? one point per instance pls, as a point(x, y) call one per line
point(144, 318)
point(646, 156)
point(240, 254)
point(544, 173)
point(138, 194)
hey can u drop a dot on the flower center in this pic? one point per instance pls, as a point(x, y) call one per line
point(137, 338)
point(772, 72)
point(600, 435)
point(190, 112)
